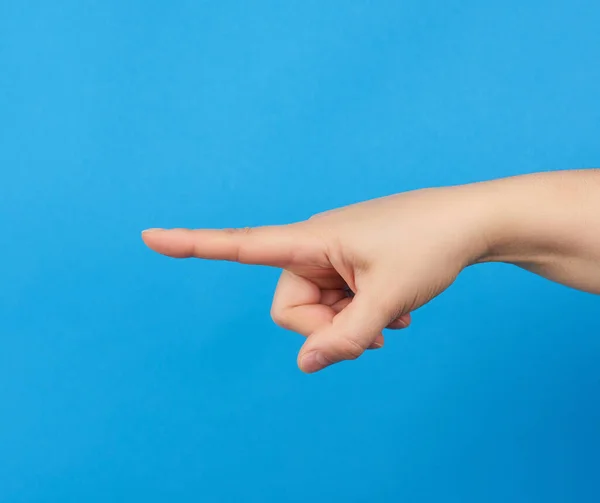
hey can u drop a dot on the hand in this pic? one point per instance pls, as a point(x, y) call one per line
point(395, 254)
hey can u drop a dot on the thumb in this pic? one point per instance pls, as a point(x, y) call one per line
point(350, 333)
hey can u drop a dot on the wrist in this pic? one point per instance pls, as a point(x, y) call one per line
point(513, 228)
point(487, 216)
point(532, 220)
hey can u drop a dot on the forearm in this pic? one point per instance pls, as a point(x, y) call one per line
point(547, 223)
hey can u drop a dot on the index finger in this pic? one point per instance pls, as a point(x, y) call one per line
point(268, 245)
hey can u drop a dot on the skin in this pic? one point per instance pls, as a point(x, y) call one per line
point(396, 253)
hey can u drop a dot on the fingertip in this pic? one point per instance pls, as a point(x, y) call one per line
point(400, 323)
point(378, 343)
point(147, 233)
point(174, 243)
point(147, 236)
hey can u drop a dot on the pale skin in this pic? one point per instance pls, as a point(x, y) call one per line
point(398, 252)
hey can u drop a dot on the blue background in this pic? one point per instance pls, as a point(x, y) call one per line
point(126, 376)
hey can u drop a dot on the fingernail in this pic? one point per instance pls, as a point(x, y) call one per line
point(152, 230)
point(376, 345)
point(313, 362)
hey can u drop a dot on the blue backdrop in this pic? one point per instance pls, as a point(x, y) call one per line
point(126, 376)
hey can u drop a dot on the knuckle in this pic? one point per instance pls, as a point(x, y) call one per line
point(350, 349)
point(389, 307)
point(238, 230)
point(320, 214)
